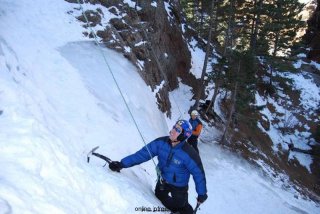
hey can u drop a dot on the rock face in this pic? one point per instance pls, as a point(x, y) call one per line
point(312, 36)
point(149, 34)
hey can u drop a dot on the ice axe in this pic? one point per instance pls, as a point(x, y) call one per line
point(92, 152)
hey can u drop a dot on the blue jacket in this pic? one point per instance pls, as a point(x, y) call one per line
point(175, 163)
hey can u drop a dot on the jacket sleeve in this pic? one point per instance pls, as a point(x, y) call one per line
point(197, 130)
point(197, 172)
point(143, 155)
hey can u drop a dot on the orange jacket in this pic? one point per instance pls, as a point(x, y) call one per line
point(198, 130)
point(196, 126)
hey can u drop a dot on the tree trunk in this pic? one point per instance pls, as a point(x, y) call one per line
point(276, 45)
point(232, 109)
point(205, 63)
point(228, 38)
point(195, 9)
point(274, 55)
point(255, 26)
point(215, 94)
point(201, 18)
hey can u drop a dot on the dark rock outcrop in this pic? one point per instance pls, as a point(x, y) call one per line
point(150, 35)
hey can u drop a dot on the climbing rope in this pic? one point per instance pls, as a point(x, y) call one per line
point(118, 87)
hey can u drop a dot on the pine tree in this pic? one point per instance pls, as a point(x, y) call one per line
point(282, 24)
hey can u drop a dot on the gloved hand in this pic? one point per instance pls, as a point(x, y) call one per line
point(202, 198)
point(115, 166)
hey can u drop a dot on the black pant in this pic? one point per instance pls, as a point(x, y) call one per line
point(178, 201)
point(193, 141)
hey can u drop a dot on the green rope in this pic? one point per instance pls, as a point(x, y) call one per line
point(118, 87)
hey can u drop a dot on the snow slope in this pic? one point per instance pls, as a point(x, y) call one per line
point(58, 100)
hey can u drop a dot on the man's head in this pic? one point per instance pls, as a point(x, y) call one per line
point(194, 114)
point(181, 131)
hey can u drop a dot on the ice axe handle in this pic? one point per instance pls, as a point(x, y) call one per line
point(196, 209)
point(108, 160)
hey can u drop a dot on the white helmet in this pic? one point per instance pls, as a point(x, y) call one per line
point(195, 113)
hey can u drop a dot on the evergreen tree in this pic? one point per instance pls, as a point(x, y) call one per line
point(282, 24)
point(244, 28)
point(242, 70)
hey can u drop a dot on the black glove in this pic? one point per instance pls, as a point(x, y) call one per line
point(202, 198)
point(115, 166)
